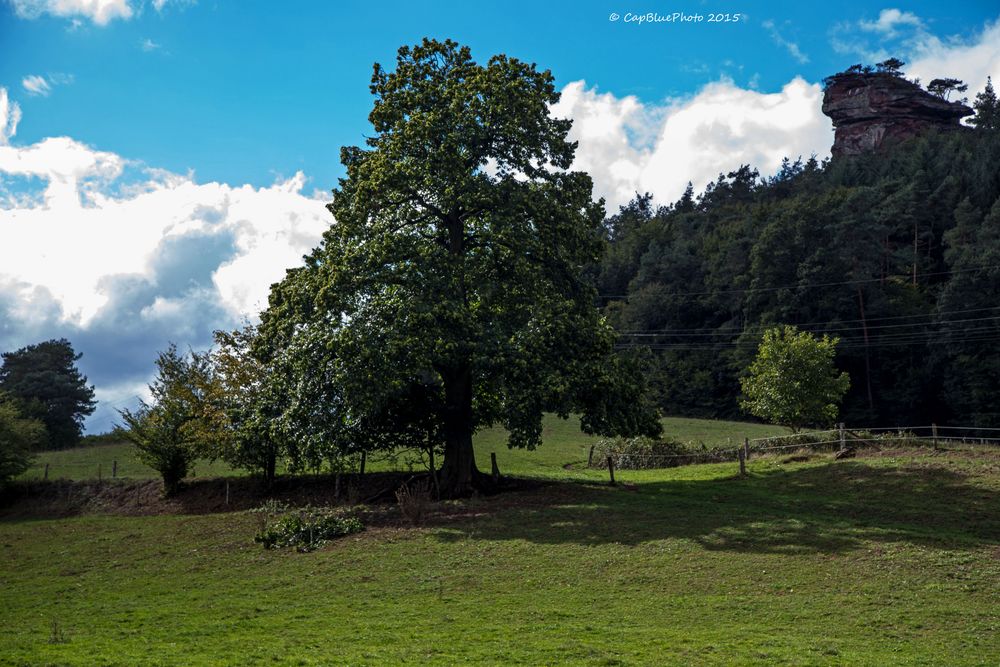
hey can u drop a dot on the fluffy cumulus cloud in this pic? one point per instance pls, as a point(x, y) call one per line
point(100, 12)
point(971, 59)
point(121, 259)
point(629, 146)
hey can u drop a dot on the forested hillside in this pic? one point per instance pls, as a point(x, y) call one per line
point(896, 252)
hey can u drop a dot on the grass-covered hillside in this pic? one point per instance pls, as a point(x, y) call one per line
point(891, 558)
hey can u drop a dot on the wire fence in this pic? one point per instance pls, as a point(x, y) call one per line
point(842, 440)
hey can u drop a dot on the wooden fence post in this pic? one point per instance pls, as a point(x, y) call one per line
point(98, 472)
point(496, 468)
point(611, 469)
point(843, 436)
point(590, 457)
point(934, 435)
point(746, 448)
point(46, 472)
point(227, 491)
point(743, 463)
point(114, 468)
point(364, 456)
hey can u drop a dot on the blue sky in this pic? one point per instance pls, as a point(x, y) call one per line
point(163, 161)
point(245, 91)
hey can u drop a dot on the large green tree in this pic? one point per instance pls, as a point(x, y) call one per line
point(44, 379)
point(452, 277)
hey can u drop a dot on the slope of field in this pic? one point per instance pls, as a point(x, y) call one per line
point(889, 559)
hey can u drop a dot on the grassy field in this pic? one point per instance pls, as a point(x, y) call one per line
point(563, 443)
point(890, 559)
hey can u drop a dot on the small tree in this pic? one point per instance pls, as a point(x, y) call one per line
point(987, 109)
point(793, 380)
point(18, 437)
point(945, 87)
point(893, 66)
point(174, 430)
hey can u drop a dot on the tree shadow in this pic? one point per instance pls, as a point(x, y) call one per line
point(831, 509)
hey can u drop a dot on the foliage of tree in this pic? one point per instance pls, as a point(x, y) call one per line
point(242, 407)
point(890, 251)
point(177, 427)
point(44, 380)
point(793, 380)
point(453, 283)
point(987, 109)
point(944, 87)
point(893, 66)
point(19, 436)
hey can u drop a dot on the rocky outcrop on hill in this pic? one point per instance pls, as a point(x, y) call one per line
point(871, 110)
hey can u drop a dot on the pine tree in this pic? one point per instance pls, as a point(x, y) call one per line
point(987, 113)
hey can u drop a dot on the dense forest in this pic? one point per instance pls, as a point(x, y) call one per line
point(895, 252)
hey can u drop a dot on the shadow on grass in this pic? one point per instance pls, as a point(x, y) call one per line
point(831, 508)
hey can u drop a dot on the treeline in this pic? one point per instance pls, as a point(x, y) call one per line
point(896, 253)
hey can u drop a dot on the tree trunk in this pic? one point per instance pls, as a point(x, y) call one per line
point(270, 467)
point(459, 476)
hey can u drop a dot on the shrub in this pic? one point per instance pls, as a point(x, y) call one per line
point(305, 528)
point(642, 452)
point(414, 502)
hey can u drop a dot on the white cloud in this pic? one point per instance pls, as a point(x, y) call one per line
point(100, 12)
point(82, 234)
point(10, 116)
point(889, 20)
point(971, 59)
point(34, 84)
point(121, 258)
point(148, 45)
point(793, 49)
point(628, 146)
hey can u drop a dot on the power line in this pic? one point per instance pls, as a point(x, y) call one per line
point(763, 327)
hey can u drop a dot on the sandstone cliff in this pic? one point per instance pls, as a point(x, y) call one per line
point(870, 110)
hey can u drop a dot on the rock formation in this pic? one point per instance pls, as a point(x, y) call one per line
point(870, 110)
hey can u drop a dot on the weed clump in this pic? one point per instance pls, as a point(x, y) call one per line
point(302, 528)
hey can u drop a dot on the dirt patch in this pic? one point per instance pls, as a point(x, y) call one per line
point(62, 498)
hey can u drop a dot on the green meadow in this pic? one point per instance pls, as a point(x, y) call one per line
point(890, 558)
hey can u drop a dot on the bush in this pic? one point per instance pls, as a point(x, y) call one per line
point(643, 452)
point(413, 503)
point(305, 528)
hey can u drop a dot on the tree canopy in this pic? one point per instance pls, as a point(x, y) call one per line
point(44, 380)
point(452, 282)
point(793, 380)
